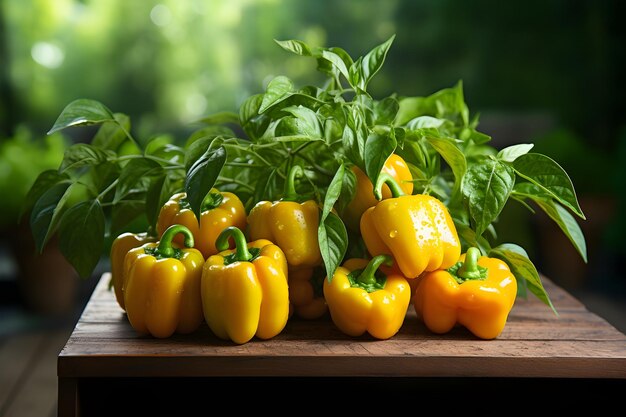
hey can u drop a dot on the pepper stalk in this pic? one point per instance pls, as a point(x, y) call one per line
point(165, 249)
point(370, 279)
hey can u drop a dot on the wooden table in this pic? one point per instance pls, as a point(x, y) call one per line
point(576, 352)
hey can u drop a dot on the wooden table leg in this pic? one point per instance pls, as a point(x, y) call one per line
point(68, 397)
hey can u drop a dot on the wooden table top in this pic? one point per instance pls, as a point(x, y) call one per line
point(534, 343)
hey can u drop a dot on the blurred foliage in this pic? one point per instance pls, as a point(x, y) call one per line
point(167, 63)
point(22, 158)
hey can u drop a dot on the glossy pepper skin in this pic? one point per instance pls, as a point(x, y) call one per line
point(360, 299)
point(306, 293)
point(162, 286)
point(289, 224)
point(219, 210)
point(245, 291)
point(121, 245)
point(477, 293)
point(364, 198)
point(417, 230)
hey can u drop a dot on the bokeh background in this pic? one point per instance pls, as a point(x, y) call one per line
point(542, 72)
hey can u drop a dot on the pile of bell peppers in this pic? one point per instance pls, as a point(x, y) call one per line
point(245, 275)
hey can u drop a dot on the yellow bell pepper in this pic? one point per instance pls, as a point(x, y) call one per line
point(306, 293)
point(219, 210)
point(362, 299)
point(417, 230)
point(289, 224)
point(121, 245)
point(162, 286)
point(478, 293)
point(364, 190)
point(245, 291)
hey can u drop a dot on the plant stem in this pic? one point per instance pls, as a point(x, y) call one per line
point(318, 168)
point(236, 181)
point(106, 190)
point(153, 158)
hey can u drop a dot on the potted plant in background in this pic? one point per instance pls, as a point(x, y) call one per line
point(46, 281)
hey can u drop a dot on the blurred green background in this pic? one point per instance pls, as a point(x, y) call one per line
point(542, 72)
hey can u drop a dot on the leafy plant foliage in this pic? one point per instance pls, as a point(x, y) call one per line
point(325, 129)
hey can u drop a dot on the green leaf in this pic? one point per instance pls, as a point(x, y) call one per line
point(125, 212)
point(566, 222)
point(373, 61)
point(168, 152)
point(295, 46)
point(511, 153)
point(253, 123)
point(568, 225)
point(135, 176)
point(487, 186)
point(46, 212)
point(399, 134)
point(156, 143)
point(453, 156)
point(337, 61)
point(221, 118)
point(81, 236)
point(202, 176)
point(333, 192)
point(332, 234)
point(82, 154)
point(385, 111)
point(544, 172)
point(355, 135)
point(268, 187)
point(159, 192)
point(44, 181)
point(209, 132)
point(343, 54)
point(523, 269)
point(356, 75)
point(82, 112)
point(303, 123)
point(469, 238)
point(425, 122)
point(448, 103)
point(333, 242)
point(155, 198)
point(112, 134)
point(479, 138)
point(100, 177)
point(277, 90)
point(415, 153)
point(378, 148)
point(196, 149)
point(348, 190)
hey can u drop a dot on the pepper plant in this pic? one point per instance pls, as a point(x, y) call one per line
point(325, 129)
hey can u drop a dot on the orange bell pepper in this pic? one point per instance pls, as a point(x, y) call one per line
point(478, 293)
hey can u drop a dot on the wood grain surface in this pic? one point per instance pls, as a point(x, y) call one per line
point(535, 343)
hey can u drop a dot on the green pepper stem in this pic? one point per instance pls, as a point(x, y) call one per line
point(368, 276)
point(289, 193)
point(165, 248)
point(469, 269)
point(241, 253)
point(384, 178)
